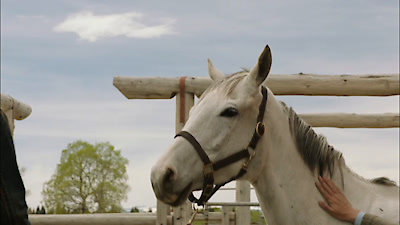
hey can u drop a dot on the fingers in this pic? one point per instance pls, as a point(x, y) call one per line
point(331, 185)
point(322, 190)
point(326, 207)
point(328, 190)
point(325, 185)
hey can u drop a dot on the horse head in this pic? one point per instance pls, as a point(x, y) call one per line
point(223, 123)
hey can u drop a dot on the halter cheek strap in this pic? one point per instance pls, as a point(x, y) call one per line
point(209, 167)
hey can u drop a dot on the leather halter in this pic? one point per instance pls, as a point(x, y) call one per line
point(209, 167)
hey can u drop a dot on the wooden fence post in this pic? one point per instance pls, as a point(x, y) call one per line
point(242, 195)
point(162, 213)
point(225, 215)
point(184, 102)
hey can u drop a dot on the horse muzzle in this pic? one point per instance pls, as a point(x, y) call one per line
point(167, 188)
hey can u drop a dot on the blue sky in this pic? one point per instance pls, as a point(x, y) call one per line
point(60, 57)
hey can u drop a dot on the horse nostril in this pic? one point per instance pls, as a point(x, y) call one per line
point(169, 176)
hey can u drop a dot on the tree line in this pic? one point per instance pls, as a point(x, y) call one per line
point(38, 210)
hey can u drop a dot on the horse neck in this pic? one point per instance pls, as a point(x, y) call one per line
point(285, 186)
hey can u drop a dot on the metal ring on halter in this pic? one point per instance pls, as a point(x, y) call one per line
point(245, 165)
point(260, 129)
point(252, 155)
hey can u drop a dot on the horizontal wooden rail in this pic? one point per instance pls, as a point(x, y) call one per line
point(300, 84)
point(233, 204)
point(95, 219)
point(352, 120)
point(113, 218)
point(231, 189)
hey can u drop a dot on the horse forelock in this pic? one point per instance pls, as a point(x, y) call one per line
point(226, 85)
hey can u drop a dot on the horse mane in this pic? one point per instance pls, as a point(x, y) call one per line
point(315, 150)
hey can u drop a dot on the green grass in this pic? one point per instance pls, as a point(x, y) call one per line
point(255, 217)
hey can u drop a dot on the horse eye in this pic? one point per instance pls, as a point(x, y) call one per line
point(229, 112)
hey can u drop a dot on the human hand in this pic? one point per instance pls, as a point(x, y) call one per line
point(338, 206)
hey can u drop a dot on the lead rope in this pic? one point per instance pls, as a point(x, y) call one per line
point(195, 211)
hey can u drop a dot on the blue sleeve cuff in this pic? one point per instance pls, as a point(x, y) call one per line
point(359, 217)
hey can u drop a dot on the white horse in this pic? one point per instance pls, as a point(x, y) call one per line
point(290, 155)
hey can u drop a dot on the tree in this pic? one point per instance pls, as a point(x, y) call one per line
point(89, 178)
point(134, 210)
point(42, 210)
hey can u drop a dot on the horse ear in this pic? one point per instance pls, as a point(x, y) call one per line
point(261, 70)
point(214, 73)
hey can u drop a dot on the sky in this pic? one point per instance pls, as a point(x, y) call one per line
point(60, 57)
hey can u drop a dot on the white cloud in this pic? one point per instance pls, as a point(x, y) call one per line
point(92, 27)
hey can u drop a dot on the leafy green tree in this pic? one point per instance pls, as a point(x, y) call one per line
point(89, 178)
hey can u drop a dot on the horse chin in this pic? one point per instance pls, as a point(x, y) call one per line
point(182, 196)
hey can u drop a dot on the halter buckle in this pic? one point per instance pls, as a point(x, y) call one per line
point(260, 129)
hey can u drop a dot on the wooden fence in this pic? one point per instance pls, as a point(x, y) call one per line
point(120, 219)
point(185, 88)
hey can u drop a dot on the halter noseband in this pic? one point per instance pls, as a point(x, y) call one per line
point(209, 167)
